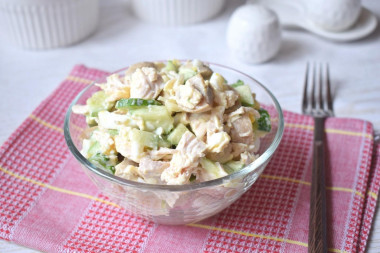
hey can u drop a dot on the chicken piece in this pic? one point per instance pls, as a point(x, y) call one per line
point(188, 97)
point(150, 169)
point(127, 169)
point(162, 154)
point(241, 129)
point(146, 83)
point(115, 88)
point(231, 97)
point(202, 69)
point(241, 125)
point(138, 65)
point(195, 96)
point(227, 98)
point(217, 142)
point(224, 156)
point(182, 117)
point(217, 82)
point(185, 161)
point(199, 124)
point(203, 87)
point(238, 148)
point(215, 122)
point(247, 158)
point(191, 145)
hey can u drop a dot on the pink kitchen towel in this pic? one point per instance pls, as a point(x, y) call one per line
point(49, 204)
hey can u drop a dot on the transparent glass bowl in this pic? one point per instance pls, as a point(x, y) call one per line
point(179, 204)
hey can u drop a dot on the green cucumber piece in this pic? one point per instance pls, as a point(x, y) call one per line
point(264, 123)
point(154, 116)
point(187, 73)
point(94, 148)
point(170, 66)
point(177, 133)
point(212, 169)
point(128, 103)
point(245, 95)
point(162, 142)
point(97, 102)
point(233, 166)
point(103, 161)
point(238, 83)
point(113, 132)
point(144, 138)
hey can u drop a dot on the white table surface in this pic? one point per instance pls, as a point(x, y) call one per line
point(27, 77)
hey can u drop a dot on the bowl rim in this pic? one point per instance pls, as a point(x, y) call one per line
point(262, 159)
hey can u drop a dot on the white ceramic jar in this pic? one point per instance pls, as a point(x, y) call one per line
point(44, 24)
point(253, 33)
point(176, 12)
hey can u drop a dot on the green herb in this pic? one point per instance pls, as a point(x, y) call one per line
point(170, 66)
point(263, 122)
point(102, 161)
point(237, 84)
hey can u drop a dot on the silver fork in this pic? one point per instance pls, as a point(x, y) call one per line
point(317, 102)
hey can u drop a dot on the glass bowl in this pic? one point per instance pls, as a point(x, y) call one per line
point(178, 204)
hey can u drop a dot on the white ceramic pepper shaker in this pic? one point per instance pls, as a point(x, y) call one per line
point(253, 33)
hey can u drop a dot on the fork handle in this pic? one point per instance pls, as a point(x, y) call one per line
point(317, 219)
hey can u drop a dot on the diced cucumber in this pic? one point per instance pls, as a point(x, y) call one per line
point(187, 73)
point(113, 132)
point(177, 133)
point(170, 66)
point(94, 148)
point(144, 138)
point(233, 166)
point(102, 161)
point(163, 142)
point(238, 83)
point(154, 116)
point(98, 103)
point(245, 95)
point(128, 103)
point(213, 169)
point(263, 123)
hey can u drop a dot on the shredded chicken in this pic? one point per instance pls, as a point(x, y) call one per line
point(146, 83)
point(127, 169)
point(185, 161)
point(162, 154)
point(195, 96)
point(150, 169)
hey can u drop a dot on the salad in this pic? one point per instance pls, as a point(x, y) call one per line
point(172, 123)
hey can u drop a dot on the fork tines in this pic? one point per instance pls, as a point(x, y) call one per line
point(317, 99)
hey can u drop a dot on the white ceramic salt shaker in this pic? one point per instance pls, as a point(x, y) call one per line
point(333, 15)
point(253, 33)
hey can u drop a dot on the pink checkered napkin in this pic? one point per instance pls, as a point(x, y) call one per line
point(47, 202)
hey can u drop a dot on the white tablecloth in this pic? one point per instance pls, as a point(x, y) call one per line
point(27, 77)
